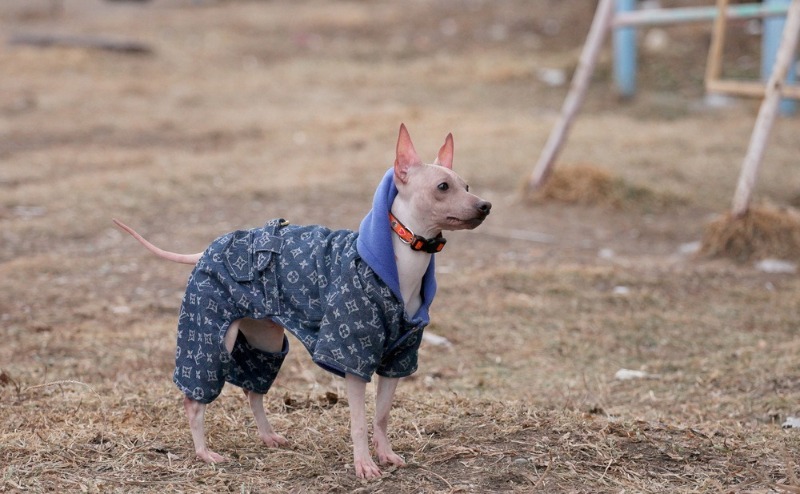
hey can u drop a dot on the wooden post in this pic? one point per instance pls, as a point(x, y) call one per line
point(767, 112)
point(714, 64)
point(576, 95)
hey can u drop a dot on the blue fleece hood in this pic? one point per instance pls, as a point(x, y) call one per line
point(374, 245)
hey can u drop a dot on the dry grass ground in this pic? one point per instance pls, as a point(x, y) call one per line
point(247, 111)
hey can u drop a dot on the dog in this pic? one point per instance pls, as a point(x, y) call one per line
point(357, 300)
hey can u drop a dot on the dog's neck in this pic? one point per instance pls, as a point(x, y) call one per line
point(411, 264)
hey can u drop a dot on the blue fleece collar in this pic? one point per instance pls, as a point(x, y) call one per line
point(374, 245)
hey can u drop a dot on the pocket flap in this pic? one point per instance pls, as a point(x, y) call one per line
point(265, 244)
point(239, 257)
point(249, 251)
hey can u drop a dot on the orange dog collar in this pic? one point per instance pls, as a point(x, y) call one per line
point(416, 242)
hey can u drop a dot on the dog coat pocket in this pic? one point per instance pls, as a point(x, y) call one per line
point(238, 256)
point(265, 244)
point(249, 251)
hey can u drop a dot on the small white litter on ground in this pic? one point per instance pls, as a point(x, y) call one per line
point(436, 340)
point(605, 253)
point(776, 266)
point(627, 375)
point(791, 423)
point(690, 248)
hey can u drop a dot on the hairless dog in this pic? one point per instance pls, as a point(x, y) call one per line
point(357, 300)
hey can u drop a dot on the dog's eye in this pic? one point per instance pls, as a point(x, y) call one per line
point(444, 186)
point(467, 188)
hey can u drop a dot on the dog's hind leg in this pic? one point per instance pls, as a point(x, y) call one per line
point(268, 337)
point(261, 334)
point(265, 430)
point(196, 412)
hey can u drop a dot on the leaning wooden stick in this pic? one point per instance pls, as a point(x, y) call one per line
point(577, 92)
point(767, 112)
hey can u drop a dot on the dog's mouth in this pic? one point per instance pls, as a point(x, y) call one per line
point(468, 223)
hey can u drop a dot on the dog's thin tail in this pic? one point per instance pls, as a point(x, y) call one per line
point(170, 256)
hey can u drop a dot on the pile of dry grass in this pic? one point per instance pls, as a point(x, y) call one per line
point(593, 186)
point(763, 232)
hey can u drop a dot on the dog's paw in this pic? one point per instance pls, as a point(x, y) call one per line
point(274, 440)
point(209, 456)
point(366, 469)
point(391, 459)
point(386, 456)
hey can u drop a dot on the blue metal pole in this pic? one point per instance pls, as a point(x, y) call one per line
point(624, 41)
point(678, 15)
point(771, 40)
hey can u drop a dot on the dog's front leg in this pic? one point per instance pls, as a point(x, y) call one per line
point(356, 397)
point(380, 438)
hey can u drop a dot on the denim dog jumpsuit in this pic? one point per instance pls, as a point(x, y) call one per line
point(336, 291)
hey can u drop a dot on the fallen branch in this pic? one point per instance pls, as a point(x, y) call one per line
point(81, 41)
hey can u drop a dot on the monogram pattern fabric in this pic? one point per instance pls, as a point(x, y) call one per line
point(309, 279)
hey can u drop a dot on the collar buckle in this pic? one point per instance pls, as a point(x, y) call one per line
point(417, 242)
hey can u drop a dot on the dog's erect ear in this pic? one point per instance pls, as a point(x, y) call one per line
point(445, 157)
point(406, 155)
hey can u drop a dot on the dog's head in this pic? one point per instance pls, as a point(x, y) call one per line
point(439, 198)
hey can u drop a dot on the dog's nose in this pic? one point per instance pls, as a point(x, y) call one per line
point(484, 207)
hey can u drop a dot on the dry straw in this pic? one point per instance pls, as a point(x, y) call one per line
point(761, 233)
point(594, 186)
